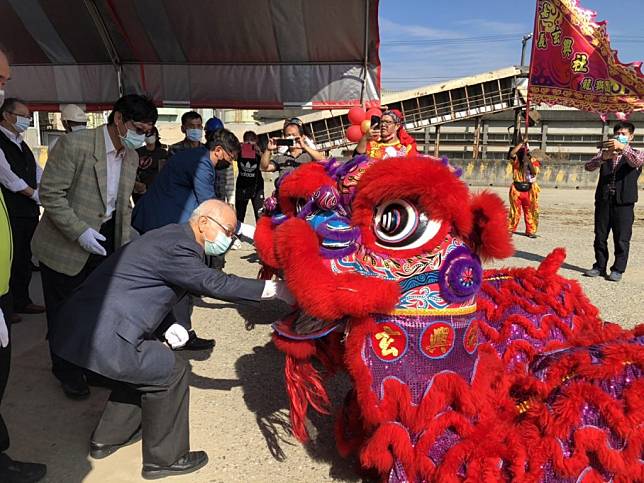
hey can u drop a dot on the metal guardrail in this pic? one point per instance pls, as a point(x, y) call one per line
point(427, 110)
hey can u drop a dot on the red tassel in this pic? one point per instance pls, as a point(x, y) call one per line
point(304, 387)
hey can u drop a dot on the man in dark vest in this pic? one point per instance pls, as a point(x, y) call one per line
point(19, 178)
point(619, 167)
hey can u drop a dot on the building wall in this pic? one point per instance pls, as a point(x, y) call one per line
point(564, 134)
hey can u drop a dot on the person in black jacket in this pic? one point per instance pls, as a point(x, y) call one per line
point(250, 184)
point(19, 179)
point(112, 319)
point(619, 167)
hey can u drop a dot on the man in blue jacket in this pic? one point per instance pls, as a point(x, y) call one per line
point(187, 180)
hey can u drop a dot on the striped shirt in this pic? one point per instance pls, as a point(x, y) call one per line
point(634, 158)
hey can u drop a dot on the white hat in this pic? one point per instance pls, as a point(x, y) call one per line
point(72, 112)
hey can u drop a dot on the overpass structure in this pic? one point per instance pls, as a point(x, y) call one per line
point(423, 108)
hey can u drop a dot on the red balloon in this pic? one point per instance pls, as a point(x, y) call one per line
point(374, 111)
point(365, 125)
point(356, 115)
point(354, 133)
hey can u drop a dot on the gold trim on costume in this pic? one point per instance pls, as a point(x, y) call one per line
point(453, 311)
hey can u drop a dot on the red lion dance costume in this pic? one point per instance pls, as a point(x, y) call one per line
point(458, 374)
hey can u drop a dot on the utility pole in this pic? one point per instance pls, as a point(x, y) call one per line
point(524, 42)
point(517, 108)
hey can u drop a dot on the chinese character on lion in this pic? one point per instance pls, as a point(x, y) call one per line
point(458, 373)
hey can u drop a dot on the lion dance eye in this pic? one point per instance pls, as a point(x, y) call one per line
point(399, 226)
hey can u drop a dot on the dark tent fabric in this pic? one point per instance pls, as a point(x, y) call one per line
point(201, 53)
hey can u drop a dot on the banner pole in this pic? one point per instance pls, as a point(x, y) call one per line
point(535, 35)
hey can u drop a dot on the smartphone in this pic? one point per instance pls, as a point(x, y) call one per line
point(285, 142)
point(248, 151)
point(375, 122)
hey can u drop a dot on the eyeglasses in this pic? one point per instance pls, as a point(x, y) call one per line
point(228, 231)
point(387, 123)
point(21, 115)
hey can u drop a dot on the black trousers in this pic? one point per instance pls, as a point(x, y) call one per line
point(5, 365)
point(609, 216)
point(22, 229)
point(242, 197)
point(57, 288)
point(182, 311)
point(161, 411)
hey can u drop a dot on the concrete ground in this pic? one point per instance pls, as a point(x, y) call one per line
point(238, 405)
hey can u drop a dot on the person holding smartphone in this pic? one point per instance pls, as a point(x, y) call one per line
point(620, 165)
point(387, 138)
point(524, 191)
point(287, 153)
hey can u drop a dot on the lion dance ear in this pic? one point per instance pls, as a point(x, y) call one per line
point(490, 237)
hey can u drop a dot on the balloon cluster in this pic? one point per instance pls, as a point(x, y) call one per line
point(360, 122)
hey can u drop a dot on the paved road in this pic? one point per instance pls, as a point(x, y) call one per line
point(238, 408)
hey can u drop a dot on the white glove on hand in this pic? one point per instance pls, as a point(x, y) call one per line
point(4, 331)
point(35, 196)
point(278, 290)
point(176, 336)
point(90, 239)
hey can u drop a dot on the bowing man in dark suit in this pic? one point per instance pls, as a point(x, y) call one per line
point(111, 321)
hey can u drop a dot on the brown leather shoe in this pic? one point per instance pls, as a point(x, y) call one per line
point(31, 309)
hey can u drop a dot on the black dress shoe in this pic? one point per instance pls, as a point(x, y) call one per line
point(196, 343)
point(99, 450)
point(31, 309)
point(76, 389)
point(184, 465)
point(17, 472)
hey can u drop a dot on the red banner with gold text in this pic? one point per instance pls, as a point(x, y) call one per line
point(573, 64)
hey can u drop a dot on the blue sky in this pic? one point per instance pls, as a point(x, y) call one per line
point(425, 41)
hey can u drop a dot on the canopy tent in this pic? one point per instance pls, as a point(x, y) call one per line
point(202, 53)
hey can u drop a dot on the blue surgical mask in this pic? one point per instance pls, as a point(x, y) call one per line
point(132, 140)
point(194, 134)
point(78, 127)
point(219, 246)
point(621, 138)
point(22, 123)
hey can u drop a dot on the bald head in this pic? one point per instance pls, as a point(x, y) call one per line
point(218, 210)
point(211, 217)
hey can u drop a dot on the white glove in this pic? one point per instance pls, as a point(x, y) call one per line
point(35, 196)
point(90, 239)
point(278, 290)
point(4, 332)
point(176, 336)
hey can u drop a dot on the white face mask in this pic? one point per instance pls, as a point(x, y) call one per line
point(22, 123)
point(150, 140)
point(1, 96)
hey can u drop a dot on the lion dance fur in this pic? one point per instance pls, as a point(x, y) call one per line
point(459, 373)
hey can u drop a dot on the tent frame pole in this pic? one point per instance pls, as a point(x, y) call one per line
point(365, 65)
point(108, 43)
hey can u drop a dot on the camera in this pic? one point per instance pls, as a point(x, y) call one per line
point(285, 142)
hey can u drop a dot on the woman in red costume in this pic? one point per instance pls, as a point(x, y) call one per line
point(389, 140)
